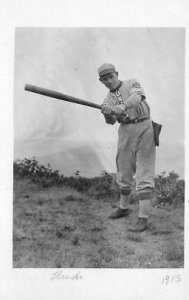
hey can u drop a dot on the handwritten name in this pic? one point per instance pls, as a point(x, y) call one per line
point(59, 275)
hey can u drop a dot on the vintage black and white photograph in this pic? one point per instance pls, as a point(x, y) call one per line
point(98, 173)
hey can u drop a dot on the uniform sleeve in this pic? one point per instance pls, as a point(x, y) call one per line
point(108, 101)
point(109, 119)
point(136, 93)
point(135, 87)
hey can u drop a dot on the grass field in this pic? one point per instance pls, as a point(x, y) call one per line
point(58, 227)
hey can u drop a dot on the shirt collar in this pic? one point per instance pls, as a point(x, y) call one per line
point(117, 88)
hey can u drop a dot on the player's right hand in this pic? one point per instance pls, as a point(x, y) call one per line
point(119, 109)
point(106, 110)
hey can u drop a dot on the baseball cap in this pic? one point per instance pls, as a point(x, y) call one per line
point(105, 69)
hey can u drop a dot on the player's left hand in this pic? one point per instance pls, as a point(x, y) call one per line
point(106, 110)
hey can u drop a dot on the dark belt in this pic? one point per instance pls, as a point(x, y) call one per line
point(135, 121)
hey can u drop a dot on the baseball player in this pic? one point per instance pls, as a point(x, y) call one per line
point(126, 103)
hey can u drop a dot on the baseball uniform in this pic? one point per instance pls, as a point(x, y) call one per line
point(136, 148)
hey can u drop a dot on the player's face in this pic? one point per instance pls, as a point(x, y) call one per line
point(110, 80)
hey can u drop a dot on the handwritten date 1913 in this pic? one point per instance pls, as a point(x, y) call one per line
point(170, 279)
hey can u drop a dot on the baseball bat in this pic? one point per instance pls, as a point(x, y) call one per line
point(59, 96)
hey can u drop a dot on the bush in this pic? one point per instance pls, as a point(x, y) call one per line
point(104, 186)
point(169, 188)
point(38, 173)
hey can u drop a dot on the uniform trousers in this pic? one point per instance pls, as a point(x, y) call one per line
point(136, 157)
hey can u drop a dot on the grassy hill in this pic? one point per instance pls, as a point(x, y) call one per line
point(66, 224)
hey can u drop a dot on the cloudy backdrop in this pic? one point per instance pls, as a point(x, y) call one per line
point(72, 137)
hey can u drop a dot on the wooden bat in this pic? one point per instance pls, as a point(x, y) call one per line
point(59, 96)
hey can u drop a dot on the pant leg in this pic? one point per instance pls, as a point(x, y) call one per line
point(125, 159)
point(145, 161)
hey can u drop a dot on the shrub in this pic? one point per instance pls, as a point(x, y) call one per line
point(38, 173)
point(104, 186)
point(169, 188)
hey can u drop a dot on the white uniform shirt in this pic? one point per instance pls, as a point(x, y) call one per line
point(135, 108)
